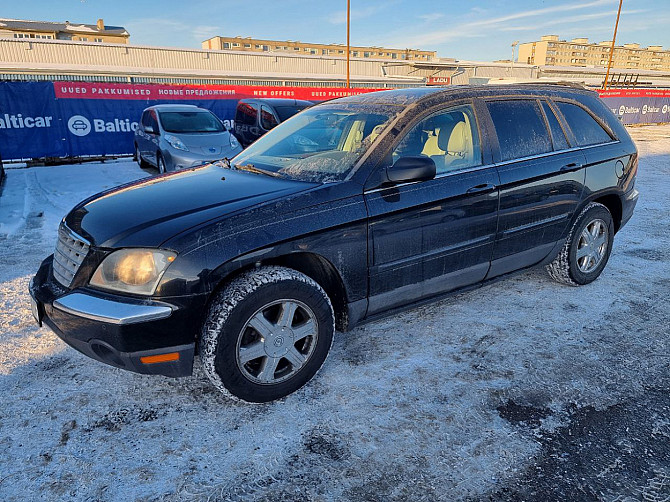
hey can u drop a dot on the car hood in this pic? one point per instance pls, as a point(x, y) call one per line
point(206, 143)
point(148, 212)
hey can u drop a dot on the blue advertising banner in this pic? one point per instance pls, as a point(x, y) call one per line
point(30, 124)
point(639, 106)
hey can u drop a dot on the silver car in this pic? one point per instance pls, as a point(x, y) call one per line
point(173, 137)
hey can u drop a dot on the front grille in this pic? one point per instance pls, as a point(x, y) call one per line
point(70, 253)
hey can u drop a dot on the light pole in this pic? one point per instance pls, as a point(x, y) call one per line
point(514, 44)
point(609, 62)
point(348, 34)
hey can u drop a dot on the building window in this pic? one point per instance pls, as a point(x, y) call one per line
point(98, 39)
point(296, 48)
point(366, 54)
point(236, 44)
point(247, 46)
point(226, 45)
point(340, 52)
point(266, 48)
point(83, 39)
point(394, 55)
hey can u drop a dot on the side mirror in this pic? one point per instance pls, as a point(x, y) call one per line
point(419, 168)
point(149, 129)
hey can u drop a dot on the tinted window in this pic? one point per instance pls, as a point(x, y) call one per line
point(268, 120)
point(145, 119)
point(520, 127)
point(450, 138)
point(246, 114)
point(286, 112)
point(557, 134)
point(585, 128)
point(190, 122)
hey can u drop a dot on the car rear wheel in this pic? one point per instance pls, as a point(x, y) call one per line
point(266, 334)
point(587, 249)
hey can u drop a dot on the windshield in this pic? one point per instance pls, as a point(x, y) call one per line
point(320, 144)
point(286, 112)
point(190, 122)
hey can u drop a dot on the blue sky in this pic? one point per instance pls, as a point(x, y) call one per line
point(479, 29)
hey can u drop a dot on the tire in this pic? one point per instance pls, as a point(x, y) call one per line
point(587, 248)
point(138, 157)
point(266, 334)
point(160, 164)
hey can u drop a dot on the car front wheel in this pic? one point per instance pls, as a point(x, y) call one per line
point(266, 334)
point(587, 249)
point(160, 162)
point(138, 157)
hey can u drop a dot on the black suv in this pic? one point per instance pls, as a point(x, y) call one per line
point(352, 209)
point(255, 117)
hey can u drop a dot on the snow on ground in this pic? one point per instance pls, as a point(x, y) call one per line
point(498, 393)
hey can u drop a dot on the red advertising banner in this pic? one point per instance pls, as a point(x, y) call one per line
point(94, 90)
point(634, 93)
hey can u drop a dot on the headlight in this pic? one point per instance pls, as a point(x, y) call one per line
point(175, 142)
point(132, 270)
point(233, 140)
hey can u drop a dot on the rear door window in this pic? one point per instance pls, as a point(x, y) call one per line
point(557, 134)
point(246, 114)
point(586, 129)
point(520, 127)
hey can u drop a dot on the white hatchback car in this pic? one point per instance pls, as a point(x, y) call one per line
point(173, 137)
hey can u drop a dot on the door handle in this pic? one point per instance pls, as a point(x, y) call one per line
point(484, 187)
point(572, 166)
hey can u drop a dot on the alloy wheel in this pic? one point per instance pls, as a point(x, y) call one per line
point(277, 341)
point(592, 245)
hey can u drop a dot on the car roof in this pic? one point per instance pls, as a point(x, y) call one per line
point(278, 101)
point(417, 94)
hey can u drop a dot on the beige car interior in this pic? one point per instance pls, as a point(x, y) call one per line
point(445, 138)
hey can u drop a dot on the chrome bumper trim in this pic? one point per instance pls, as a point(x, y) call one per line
point(109, 311)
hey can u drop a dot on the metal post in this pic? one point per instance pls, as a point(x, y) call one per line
point(609, 62)
point(348, 38)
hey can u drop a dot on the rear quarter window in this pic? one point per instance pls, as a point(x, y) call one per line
point(520, 127)
point(586, 129)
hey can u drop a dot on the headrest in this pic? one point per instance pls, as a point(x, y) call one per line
point(446, 130)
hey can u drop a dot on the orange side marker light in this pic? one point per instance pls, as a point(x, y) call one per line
point(160, 358)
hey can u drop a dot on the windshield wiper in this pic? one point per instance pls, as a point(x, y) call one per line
point(257, 170)
point(224, 162)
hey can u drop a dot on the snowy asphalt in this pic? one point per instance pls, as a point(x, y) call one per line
point(520, 390)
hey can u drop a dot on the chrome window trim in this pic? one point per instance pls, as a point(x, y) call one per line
point(110, 311)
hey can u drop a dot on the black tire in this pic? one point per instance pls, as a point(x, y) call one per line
point(138, 157)
point(160, 164)
point(567, 268)
point(227, 334)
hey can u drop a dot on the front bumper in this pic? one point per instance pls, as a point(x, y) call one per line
point(140, 335)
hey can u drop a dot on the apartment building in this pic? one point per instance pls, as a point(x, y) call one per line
point(296, 47)
point(46, 30)
point(550, 51)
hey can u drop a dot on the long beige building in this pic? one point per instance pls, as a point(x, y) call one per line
point(296, 47)
point(550, 51)
point(77, 32)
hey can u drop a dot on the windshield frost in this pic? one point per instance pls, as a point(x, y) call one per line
point(320, 144)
